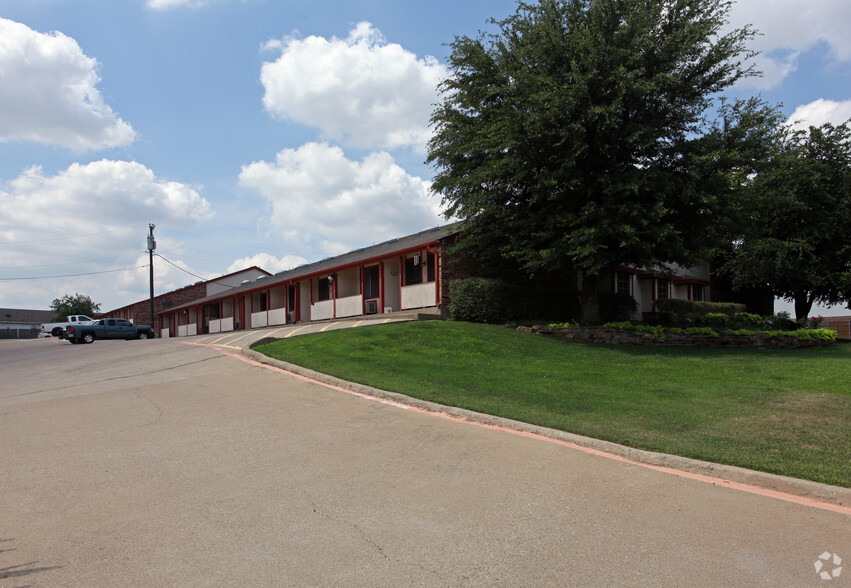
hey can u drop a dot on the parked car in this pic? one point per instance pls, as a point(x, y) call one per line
point(58, 329)
point(107, 329)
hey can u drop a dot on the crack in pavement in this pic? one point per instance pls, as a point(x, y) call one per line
point(316, 510)
point(136, 375)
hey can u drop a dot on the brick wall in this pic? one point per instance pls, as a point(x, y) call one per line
point(454, 267)
point(140, 312)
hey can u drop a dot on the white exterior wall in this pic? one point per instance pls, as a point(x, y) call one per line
point(259, 319)
point(348, 282)
point(277, 299)
point(215, 326)
point(187, 330)
point(322, 310)
point(164, 333)
point(392, 296)
point(278, 316)
point(227, 324)
point(418, 295)
point(351, 306)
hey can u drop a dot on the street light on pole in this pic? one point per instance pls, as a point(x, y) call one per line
point(151, 246)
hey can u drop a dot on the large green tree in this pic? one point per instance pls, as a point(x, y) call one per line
point(795, 224)
point(570, 139)
point(76, 304)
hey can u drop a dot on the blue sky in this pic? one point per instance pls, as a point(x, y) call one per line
point(262, 132)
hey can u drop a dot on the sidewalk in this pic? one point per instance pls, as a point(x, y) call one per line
point(243, 340)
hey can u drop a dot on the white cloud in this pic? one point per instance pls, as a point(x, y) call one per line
point(266, 261)
point(169, 4)
point(789, 28)
point(820, 112)
point(87, 219)
point(360, 91)
point(323, 201)
point(49, 93)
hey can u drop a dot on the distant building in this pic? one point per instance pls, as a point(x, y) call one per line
point(18, 323)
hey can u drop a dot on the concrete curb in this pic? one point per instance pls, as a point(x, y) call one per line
point(813, 490)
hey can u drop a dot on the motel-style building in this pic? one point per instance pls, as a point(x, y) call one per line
point(403, 274)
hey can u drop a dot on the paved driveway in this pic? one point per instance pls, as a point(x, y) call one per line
point(160, 463)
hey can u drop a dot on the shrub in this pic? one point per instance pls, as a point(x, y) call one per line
point(657, 331)
point(480, 300)
point(620, 325)
point(686, 307)
point(782, 321)
point(564, 325)
point(703, 331)
point(745, 320)
point(665, 318)
point(714, 320)
point(823, 334)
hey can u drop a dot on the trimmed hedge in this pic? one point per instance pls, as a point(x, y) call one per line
point(698, 307)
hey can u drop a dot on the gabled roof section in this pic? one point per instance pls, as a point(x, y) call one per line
point(217, 280)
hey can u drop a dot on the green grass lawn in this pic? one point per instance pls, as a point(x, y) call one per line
point(781, 411)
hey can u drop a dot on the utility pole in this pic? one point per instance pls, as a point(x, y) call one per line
point(151, 246)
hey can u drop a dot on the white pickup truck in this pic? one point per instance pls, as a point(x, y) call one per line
point(58, 329)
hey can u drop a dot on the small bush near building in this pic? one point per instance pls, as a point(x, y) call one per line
point(480, 300)
point(686, 307)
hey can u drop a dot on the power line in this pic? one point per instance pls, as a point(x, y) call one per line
point(63, 238)
point(126, 269)
point(252, 246)
point(195, 275)
point(8, 267)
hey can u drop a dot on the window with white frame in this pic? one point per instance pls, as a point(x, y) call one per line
point(662, 287)
point(623, 283)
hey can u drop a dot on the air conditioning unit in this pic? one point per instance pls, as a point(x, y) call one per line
point(290, 318)
point(372, 307)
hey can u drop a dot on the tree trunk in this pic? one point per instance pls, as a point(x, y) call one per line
point(590, 299)
point(803, 304)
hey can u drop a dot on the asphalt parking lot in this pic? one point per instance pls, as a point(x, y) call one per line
point(174, 462)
